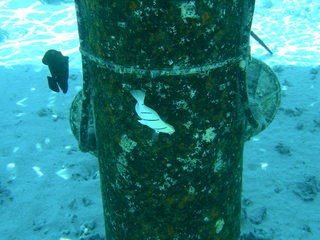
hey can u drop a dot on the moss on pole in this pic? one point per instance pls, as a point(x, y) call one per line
point(190, 59)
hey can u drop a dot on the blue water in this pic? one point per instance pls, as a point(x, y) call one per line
point(50, 190)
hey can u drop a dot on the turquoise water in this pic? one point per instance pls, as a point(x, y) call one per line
point(289, 27)
point(43, 172)
point(29, 27)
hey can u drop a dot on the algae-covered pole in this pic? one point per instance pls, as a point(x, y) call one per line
point(189, 58)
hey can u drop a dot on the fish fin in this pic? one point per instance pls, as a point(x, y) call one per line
point(64, 75)
point(142, 122)
point(256, 37)
point(52, 83)
point(139, 95)
point(63, 84)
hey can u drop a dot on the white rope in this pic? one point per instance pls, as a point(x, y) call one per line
point(175, 71)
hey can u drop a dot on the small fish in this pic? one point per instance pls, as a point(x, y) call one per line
point(59, 69)
point(148, 116)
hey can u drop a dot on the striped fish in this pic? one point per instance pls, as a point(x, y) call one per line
point(148, 116)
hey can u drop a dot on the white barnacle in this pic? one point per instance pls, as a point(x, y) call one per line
point(122, 167)
point(209, 135)
point(189, 163)
point(218, 165)
point(181, 104)
point(192, 93)
point(243, 64)
point(188, 10)
point(191, 190)
point(187, 124)
point(122, 24)
point(222, 87)
point(219, 225)
point(127, 144)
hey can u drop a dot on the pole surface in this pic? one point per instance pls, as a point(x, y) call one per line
point(190, 59)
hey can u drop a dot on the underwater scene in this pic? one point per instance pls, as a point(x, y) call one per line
point(50, 187)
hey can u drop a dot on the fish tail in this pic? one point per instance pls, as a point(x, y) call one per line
point(139, 95)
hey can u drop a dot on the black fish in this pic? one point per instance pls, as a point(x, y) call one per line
point(59, 69)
